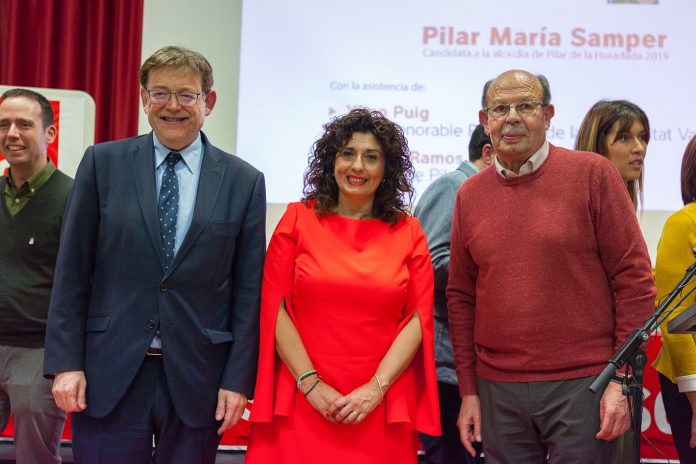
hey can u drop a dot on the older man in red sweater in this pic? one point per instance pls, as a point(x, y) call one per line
point(549, 274)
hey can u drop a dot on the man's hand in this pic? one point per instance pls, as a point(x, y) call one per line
point(230, 408)
point(69, 391)
point(469, 422)
point(613, 413)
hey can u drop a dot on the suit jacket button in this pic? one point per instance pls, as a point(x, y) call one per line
point(151, 324)
point(163, 288)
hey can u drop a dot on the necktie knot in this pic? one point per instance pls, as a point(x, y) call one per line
point(173, 158)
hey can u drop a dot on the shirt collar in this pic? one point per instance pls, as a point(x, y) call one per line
point(531, 165)
point(471, 165)
point(188, 154)
point(34, 182)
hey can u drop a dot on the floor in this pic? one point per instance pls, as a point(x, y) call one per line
point(7, 455)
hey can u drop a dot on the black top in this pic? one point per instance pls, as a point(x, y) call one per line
point(28, 250)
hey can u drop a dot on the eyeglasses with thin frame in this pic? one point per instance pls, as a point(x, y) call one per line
point(523, 109)
point(186, 98)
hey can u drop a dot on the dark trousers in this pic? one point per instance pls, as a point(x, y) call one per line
point(526, 422)
point(678, 411)
point(26, 396)
point(145, 413)
point(448, 448)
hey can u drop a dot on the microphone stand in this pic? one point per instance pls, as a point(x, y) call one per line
point(632, 354)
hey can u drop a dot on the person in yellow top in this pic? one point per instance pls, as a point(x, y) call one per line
point(676, 362)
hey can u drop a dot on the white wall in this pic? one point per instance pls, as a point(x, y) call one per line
point(651, 223)
point(212, 27)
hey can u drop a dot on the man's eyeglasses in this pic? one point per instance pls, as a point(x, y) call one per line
point(523, 109)
point(160, 97)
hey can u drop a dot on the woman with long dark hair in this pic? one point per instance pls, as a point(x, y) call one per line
point(618, 130)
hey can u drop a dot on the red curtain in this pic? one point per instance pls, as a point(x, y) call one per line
point(90, 45)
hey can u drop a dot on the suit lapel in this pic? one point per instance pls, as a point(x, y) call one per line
point(142, 158)
point(212, 172)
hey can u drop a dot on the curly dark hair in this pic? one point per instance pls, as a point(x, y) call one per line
point(394, 195)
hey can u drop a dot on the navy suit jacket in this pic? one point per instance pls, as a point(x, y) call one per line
point(111, 290)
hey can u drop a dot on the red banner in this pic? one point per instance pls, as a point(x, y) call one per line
point(53, 147)
point(656, 444)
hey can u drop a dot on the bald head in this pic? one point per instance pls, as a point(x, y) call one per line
point(519, 74)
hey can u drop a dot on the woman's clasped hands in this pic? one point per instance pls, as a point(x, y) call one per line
point(352, 408)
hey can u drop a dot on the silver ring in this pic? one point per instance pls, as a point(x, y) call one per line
point(354, 412)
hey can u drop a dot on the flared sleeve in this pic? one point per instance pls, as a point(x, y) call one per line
point(275, 386)
point(413, 399)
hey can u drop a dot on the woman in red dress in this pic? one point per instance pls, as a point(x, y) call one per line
point(346, 364)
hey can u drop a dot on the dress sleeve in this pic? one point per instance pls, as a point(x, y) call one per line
point(673, 257)
point(275, 386)
point(413, 400)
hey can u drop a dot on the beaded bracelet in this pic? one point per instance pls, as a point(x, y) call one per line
point(316, 382)
point(304, 375)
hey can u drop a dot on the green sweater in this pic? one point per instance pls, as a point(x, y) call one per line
point(28, 250)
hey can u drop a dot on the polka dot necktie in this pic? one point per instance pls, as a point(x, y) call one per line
point(169, 207)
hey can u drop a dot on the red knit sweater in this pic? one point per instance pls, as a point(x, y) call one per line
point(549, 272)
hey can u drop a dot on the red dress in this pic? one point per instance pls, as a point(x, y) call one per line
point(349, 286)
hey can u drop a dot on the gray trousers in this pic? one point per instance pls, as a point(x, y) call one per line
point(26, 396)
point(539, 422)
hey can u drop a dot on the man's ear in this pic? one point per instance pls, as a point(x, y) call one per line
point(51, 133)
point(483, 119)
point(210, 99)
point(487, 154)
point(143, 99)
point(549, 111)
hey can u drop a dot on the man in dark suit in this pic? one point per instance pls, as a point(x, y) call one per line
point(153, 322)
